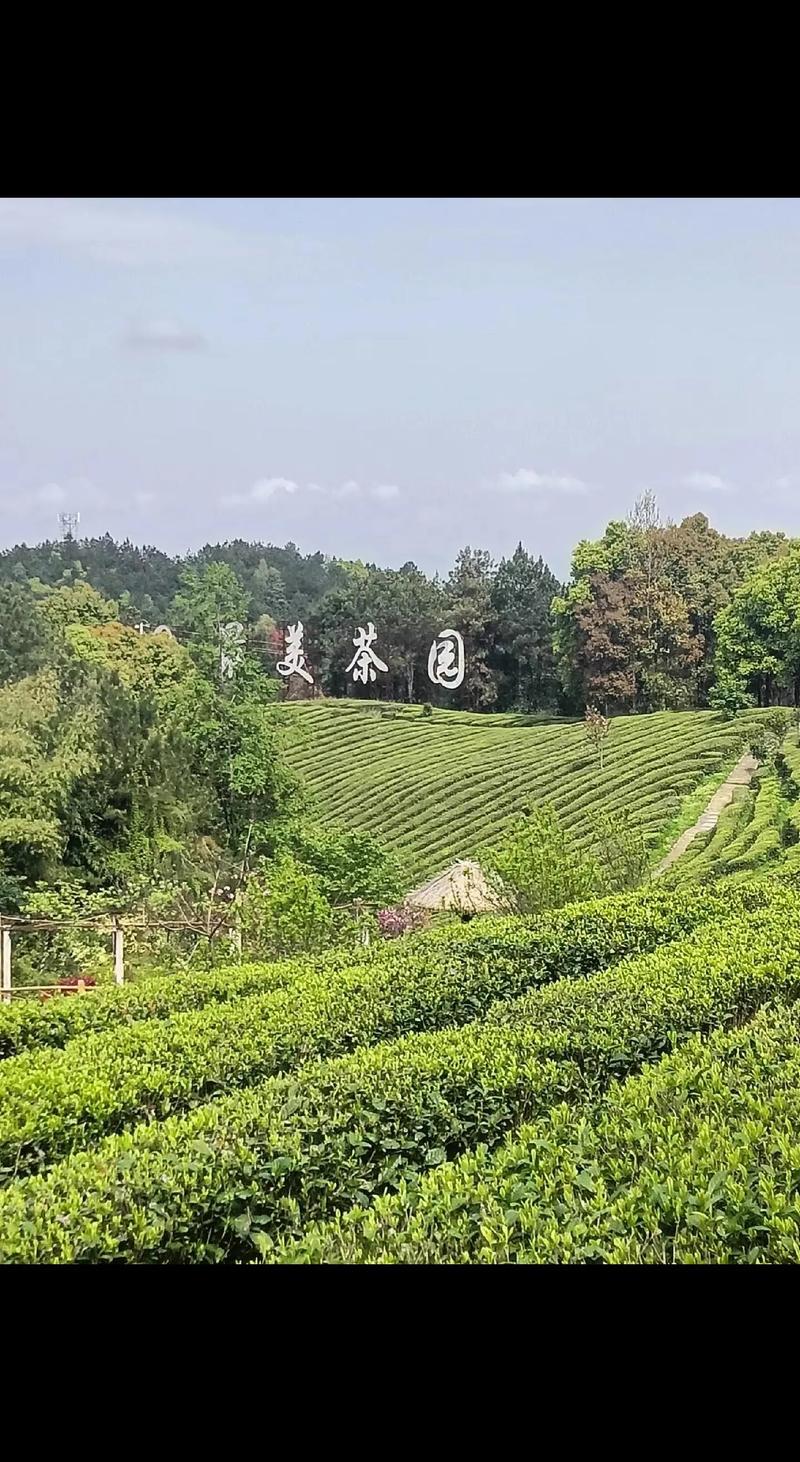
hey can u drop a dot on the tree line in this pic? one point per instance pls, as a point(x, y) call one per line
point(655, 615)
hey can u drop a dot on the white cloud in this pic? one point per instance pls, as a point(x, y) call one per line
point(144, 499)
point(52, 495)
point(525, 479)
point(260, 492)
point(111, 234)
point(267, 487)
point(74, 494)
point(706, 482)
point(163, 335)
point(782, 483)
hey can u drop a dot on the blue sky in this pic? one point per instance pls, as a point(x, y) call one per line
point(393, 378)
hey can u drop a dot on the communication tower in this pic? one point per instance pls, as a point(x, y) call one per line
point(68, 522)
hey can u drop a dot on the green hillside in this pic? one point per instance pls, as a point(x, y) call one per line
point(759, 828)
point(435, 788)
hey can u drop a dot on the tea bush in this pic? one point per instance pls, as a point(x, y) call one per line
point(694, 1161)
point(53, 1101)
point(255, 1167)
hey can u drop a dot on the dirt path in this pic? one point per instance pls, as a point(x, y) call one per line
point(741, 776)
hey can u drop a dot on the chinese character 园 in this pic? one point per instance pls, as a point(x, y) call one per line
point(446, 659)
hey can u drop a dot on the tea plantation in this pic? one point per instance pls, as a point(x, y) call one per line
point(617, 1081)
point(437, 787)
point(760, 829)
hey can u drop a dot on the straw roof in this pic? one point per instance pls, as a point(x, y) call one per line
point(462, 887)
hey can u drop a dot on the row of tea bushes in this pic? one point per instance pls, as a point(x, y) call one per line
point(697, 1160)
point(28, 1024)
point(53, 1102)
point(460, 779)
point(260, 1166)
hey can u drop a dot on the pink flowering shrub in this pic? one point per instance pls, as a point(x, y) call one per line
point(402, 919)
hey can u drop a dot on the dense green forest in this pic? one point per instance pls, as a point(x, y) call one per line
point(654, 616)
point(133, 777)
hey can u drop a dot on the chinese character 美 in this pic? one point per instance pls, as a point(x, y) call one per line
point(231, 648)
point(295, 662)
point(365, 659)
point(446, 659)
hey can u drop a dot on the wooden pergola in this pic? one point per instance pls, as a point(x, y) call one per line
point(115, 926)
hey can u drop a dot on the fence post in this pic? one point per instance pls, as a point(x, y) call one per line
point(5, 963)
point(363, 929)
point(118, 944)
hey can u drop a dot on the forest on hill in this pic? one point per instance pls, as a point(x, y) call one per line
point(655, 616)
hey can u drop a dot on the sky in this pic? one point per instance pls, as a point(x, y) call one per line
point(391, 379)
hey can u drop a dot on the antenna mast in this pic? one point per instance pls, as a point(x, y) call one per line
point(68, 522)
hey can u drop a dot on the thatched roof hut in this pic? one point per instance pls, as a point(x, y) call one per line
point(462, 888)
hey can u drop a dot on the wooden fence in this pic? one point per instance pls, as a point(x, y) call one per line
point(114, 928)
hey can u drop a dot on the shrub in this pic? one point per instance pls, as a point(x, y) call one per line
point(537, 867)
point(348, 864)
point(729, 697)
point(25, 1025)
point(620, 851)
point(284, 911)
point(403, 919)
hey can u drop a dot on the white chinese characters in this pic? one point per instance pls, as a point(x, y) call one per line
point(295, 662)
point(231, 649)
point(446, 660)
point(365, 662)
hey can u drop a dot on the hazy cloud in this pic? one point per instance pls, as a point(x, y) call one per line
point(268, 487)
point(112, 234)
point(163, 335)
point(74, 495)
point(260, 492)
point(525, 479)
point(52, 495)
point(345, 489)
point(706, 482)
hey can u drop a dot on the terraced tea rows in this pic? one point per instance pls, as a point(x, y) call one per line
point(755, 831)
point(425, 1064)
point(436, 788)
